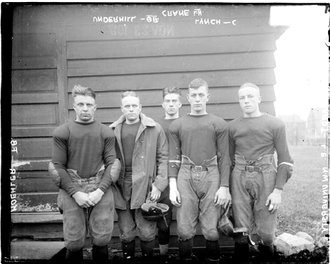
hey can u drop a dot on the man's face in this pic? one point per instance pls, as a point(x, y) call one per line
point(171, 104)
point(85, 108)
point(131, 108)
point(249, 100)
point(198, 99)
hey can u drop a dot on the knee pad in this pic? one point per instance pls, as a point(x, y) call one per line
point(212, 235)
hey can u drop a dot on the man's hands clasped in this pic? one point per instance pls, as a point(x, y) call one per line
point(86, 200)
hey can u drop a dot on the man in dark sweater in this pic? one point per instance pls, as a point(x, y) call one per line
point(199, 167)
point(143, 151)
point(256, 181)
point(83, 154)
point(171, 105)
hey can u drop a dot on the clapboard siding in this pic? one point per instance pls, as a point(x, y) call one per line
point(161, 31)
point(33, 165)
point(58, 46)
point(233, 77)
point(36, 202)
point(33, 63)
point(34, 98)
point(34, 114)
point(169, 47)
point(34, 148)
point(34, 44)
point(36, 182)
point(28, 132)
point(171, 64)
point(34, 80)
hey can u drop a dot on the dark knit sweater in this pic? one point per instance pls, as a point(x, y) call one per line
point(257, 136)
point(84, 147)
point(200, 138)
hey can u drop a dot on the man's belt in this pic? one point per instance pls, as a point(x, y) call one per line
point(86, 180)
point(251, 168)
point(196, 168)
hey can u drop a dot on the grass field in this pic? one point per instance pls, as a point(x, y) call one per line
point(302, 196)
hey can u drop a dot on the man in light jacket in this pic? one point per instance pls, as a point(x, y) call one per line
point(141, 146)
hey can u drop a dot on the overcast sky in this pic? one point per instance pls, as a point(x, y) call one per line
point(301, 59)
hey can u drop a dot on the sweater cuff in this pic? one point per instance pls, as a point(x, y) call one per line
point(284, 173)
point(71, 189)
point(160, 184)
point(173, 170)
point(224, 175)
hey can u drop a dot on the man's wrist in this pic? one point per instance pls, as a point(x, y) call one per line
point(100, 191)
point(172, 183)
point(75, 194)
point(278, 191)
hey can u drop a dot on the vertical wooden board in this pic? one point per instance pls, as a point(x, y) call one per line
point(34, 114)
point(34, 80)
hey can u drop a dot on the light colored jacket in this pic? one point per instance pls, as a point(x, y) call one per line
point(149, 161)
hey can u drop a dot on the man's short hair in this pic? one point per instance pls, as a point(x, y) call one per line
point(196, 83)
point(171, 90)
point(129, 93)
point(81, 90)
point(248, 84)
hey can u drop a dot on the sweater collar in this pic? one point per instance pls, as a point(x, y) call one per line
point(145, 121)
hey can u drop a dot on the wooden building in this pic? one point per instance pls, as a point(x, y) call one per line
point(113, 48)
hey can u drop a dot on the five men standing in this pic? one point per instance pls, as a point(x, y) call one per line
point(193, 154)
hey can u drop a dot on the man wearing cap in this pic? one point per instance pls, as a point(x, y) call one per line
point(256, 181)
point(199, 167)
point(143, 150)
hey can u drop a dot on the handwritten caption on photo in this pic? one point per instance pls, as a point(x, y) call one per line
point(197, 13)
